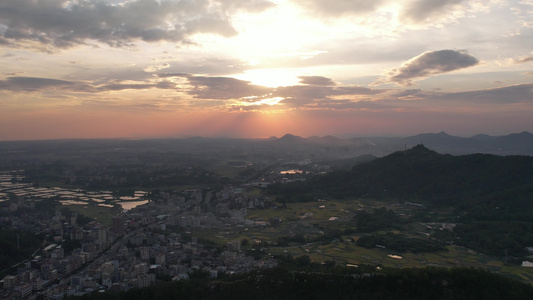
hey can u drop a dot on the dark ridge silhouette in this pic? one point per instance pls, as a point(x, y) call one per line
point(365, 283)
point(289, 138)
point(512, 144)
point(423, 174)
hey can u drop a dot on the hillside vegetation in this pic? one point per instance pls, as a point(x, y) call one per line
point(424, 175)
point(427, 283)
point(488, 196)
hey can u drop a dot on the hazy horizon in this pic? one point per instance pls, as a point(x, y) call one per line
point(339, 136)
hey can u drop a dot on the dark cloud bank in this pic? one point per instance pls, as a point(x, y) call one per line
point(65, 24)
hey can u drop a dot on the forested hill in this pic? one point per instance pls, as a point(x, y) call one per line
point(420, 174)
point(427, 283)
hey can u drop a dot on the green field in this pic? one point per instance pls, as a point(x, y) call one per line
point(103, 215)
point(311, 218)
point(344, 250)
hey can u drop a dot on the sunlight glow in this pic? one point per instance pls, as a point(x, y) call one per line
point(257, 101)
point(270, 101)
point(272, 105)
point(271, 77)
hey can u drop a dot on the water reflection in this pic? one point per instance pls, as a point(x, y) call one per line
point(291, 172)
point(72, 202)
point(127, 205)
point(67, 196)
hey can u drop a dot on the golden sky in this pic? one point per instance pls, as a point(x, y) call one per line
point(259, 68)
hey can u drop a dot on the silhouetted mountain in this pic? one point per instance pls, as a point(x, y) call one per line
point(423, 174)
point(430, 139)
point(291, 139)
point(515, 142)
point(443, 142)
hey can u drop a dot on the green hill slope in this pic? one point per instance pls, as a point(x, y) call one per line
point(420, 174)
point(428, 283)
point(489, 197)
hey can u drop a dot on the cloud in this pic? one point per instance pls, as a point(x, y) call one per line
point(335, 8)
point(171, 75)
point(215, 92)
point(200, 87)
point(520, 93)
point(515, 60)
point(135, 86)
point(155, 68)
point(521, 60)
point(389, 16)
point(247, 5)
point(223, 88)
point(317, 88)
point(362, 98)
point(30, 84)
point(4, 41)
point(424, 11)
point(412, 100)
point(356, 90)
point(193, 64)
point(36, 84)
point(301, 95)
point(428, 64)
point(524, 59)
point(358, 105)
point(316, 80)
point(64, 24)
point(140, 105)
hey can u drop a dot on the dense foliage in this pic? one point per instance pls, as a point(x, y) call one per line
point(16, 247)
point(490, 196)
point(423, 175)
point(427, 283)
point(497, 238)
point(379, 219)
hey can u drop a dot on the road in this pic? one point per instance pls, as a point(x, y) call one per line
point(102, 257)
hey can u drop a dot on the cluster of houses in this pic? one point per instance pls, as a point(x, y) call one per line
point(141, 246)
point(54, 262)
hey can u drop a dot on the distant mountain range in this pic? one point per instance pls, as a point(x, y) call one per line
point(286, 149)
point(516, 143)
point(512, 144)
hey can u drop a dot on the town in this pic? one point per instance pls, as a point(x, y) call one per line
point(136, 249)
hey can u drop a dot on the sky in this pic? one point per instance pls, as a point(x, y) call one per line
point(261, 68)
